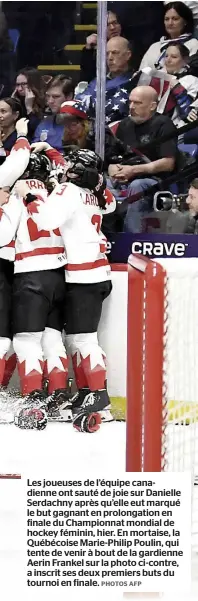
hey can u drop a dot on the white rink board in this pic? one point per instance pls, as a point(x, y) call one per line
point(113, 333)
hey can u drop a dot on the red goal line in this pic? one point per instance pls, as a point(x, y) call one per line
point(10, 476)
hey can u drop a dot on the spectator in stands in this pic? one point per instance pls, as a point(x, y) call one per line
point(193, 5)
point(10, 112)
point(30, 90)
point(76, 124)
point(58, 91)
point(119, 82)
point(183, 87)
point(144, 129)
point(88, 57)
point(185, 221)
point(179, 26)
point(191, 136)
point(192, 202)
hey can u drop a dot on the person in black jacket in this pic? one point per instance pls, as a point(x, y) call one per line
point(143, 129)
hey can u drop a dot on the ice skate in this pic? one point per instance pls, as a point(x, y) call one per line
point(59, 406)
point(88, 417)
point(33, 413)
point(78, 399)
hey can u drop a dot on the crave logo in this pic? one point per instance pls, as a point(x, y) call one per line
point(160, 249)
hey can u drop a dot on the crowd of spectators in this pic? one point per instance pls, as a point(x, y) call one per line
point(144, 104)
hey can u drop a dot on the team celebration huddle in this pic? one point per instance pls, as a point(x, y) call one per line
point(54, 277)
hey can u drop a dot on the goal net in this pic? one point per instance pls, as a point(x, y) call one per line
point(162, 381)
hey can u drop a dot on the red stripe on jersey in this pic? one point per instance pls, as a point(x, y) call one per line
point(56, 250)
point(11, 244)
point(103, 247)
point(83, 266)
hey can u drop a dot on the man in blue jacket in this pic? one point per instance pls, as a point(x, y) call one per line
point(59, 90)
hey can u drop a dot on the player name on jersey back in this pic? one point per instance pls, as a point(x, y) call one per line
point(37, 249)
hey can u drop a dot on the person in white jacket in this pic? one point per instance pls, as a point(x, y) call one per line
point(77, 209)
point(12, 168)
point(179, 26)
point(177, 89)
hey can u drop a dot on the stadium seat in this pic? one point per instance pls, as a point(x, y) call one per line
point(191, 149)
point(14, 35)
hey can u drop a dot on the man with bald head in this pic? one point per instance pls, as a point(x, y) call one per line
point(120, 80)
point(144, 129)
point(118, 56)
point(143, 103)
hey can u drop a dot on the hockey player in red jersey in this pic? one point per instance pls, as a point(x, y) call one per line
point(77, 209)
point(38, 295)
point(10, 171)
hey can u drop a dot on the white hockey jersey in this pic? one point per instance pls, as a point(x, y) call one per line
point(77, 213)
point(36, 249)
point(12, 168)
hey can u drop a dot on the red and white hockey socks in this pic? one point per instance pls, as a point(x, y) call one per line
point(4, 348)
point(56, 362)
point(27, 346)
point(88, 360)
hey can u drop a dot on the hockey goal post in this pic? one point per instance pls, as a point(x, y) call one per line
point(146, 402)
point(162, 369)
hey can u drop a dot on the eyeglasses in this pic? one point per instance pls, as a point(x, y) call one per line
point(21, 85)
point(112, 23)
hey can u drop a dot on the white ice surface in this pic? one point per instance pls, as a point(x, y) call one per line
point(60, 447)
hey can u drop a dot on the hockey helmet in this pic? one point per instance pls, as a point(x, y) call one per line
point(39, 167)
point(84, 168)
